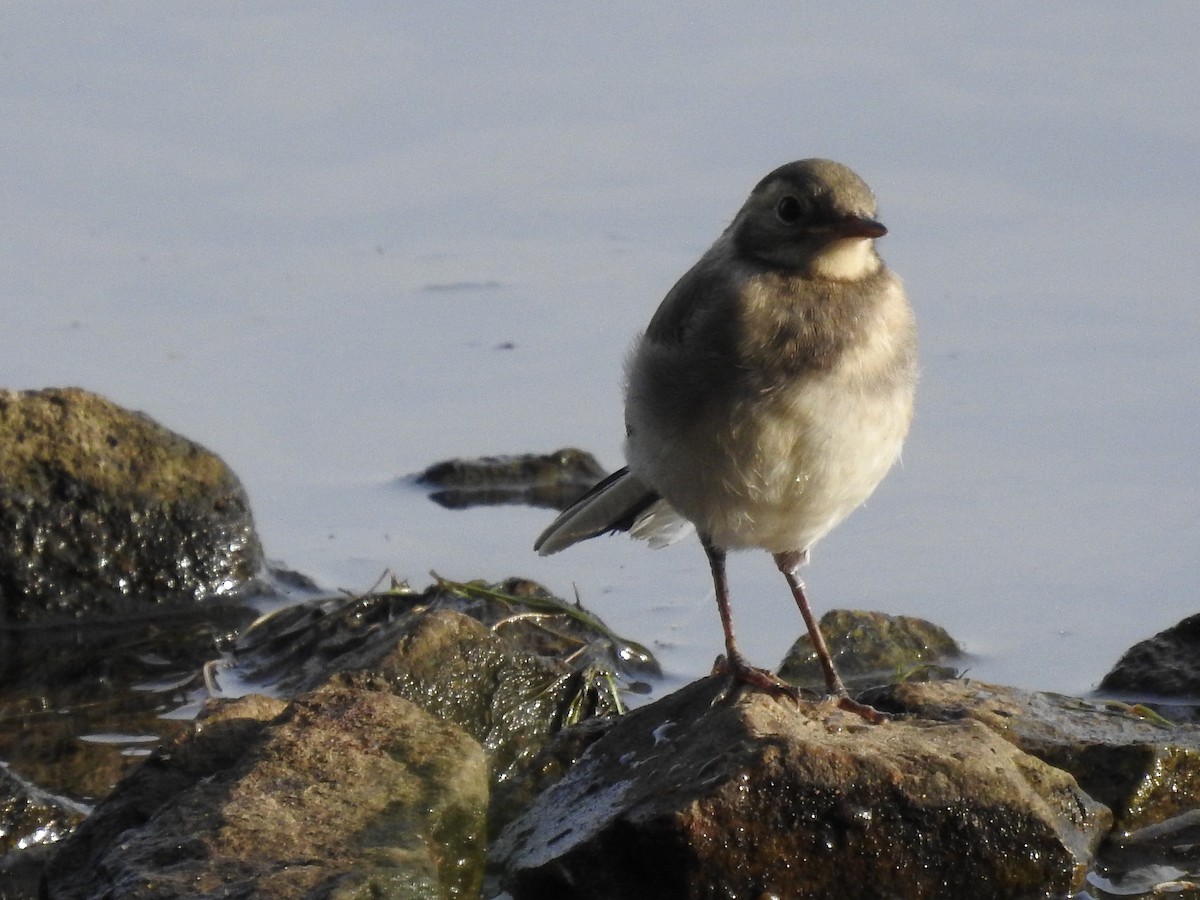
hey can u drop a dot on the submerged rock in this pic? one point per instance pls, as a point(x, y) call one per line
point(699, 796)
point(343, 792)
point(31, 820)
point(553, 480)
point(104, 511)
point(82, 703)
point(1150, 863)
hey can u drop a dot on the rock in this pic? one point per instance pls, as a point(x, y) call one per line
point(872, 648)
point(493, 659)
point(103, 511)
point(506, 684)
point(1164, 666)
point(21, 871)
point(126, 552)
point(699, 796)
point(508, 663)
point(29, 818)
point(553, 480)
point(342, 792)
point(1146, 770)
point(512, 795)
point(1157, 861)
point(458, 670)
point(300, 646)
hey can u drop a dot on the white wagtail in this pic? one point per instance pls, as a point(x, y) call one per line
point(769, 395)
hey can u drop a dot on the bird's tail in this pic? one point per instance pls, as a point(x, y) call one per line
point(618, 503)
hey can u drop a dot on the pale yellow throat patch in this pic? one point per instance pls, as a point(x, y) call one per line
point(850, 259)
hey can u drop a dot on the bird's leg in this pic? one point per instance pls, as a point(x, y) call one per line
point(734, 663)
point(789, 564)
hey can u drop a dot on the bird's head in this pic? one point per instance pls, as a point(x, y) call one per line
point(814, 216)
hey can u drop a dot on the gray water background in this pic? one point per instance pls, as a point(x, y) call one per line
point(335, 244)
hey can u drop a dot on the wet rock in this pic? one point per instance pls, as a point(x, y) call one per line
point(508, 699)
point(342, 792)
point(31, 821)
point(126, 555)
point(1158, 861)
point(21, 871)
point(458, 670)
point(508, 662)
point(1146, 770)
point(873, 648)
point(103, 511)
point(511, 796)
point(1164, 666)
point(30, 817)
point(299, 647)
point(84, 703)
point(553, 480)
point(699, 796)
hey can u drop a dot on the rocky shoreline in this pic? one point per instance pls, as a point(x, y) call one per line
point(473, 740)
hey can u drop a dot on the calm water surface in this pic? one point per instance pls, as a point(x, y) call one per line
point(337, 246)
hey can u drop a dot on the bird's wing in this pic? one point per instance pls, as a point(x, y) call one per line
point(705, 287)
point(618, 503)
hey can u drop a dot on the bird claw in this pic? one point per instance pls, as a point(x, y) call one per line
point(742, 673)
point(863, 710)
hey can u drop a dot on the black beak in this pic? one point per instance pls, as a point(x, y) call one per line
point(857, 227)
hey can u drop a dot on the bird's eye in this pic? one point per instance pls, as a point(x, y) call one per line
point(788, 210)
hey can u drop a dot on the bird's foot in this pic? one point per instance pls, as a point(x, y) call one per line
point(862, 710)
point(743, 673)
point(840, 697)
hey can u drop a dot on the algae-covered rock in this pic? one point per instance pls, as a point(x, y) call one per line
point(102, 510)
point(507, 662)
point(342, 792)
point(299, 647)
point(872, 647)
point(458, 670)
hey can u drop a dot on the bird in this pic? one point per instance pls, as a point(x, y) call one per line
point(767, 398)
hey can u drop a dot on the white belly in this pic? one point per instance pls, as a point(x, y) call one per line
point(776, 472)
